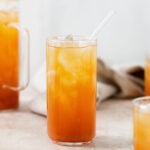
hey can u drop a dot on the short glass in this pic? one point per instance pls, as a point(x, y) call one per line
point(71, 90)
point(14, 55)
point(141, 117)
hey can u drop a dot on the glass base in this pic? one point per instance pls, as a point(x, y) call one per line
point(72, 143)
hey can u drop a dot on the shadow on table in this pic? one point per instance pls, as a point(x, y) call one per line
point(111, 143)
point(102, 143)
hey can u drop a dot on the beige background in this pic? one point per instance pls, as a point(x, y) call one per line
point(124, 40)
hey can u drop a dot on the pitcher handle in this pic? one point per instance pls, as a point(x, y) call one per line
point(24, 47)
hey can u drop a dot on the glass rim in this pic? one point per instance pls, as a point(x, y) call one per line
point(76, 39)
point(136, 101)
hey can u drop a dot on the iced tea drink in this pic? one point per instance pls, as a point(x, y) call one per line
point(71, 89)
point(147, 77)
point(9, 58)
point(141, 111)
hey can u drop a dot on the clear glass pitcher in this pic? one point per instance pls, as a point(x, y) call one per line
point(14, 55)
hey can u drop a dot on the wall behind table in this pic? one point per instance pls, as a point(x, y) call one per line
point(124, 39)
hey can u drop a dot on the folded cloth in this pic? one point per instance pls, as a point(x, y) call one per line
point(129, 82)
point(120, 83)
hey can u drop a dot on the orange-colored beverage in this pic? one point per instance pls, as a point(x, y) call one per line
point(147, 77)
point(142, 124)
point(9, 58)
point(71, 89)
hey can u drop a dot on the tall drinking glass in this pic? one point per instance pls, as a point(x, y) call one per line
point(141, 117)
point(14, 63)
point(71, 89)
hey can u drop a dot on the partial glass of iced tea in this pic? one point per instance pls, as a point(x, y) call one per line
point(141, 117)
point(147, 77)
point(71, 89)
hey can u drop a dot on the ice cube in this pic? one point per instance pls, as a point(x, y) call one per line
point(8, 16)
point(3, 16)
point(69, 58)
point(68, 41)
point(54, 38)
point(69, 37)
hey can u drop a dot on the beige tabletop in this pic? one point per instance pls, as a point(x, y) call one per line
point(23, 130)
